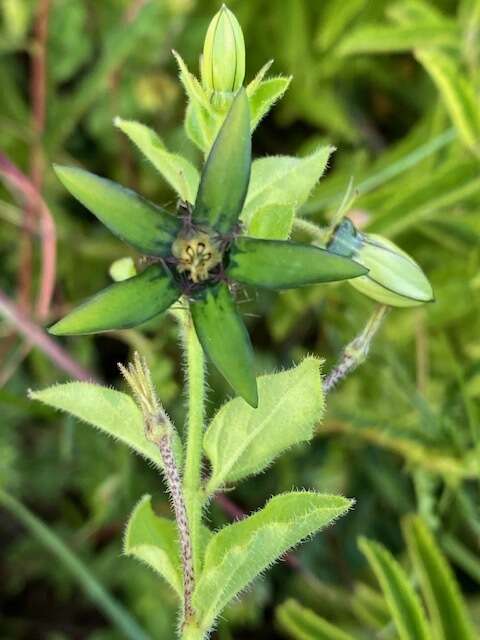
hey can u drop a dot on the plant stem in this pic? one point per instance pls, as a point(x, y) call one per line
point(319, 234)
point(159, 430)
point(196, 408)
point(191, 632)
point(174, 484)
point(356, 351)
point(39, 338)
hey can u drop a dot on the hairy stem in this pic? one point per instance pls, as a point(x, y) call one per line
point(159, 430)
point(356, 351)
point(174, 484)
point(192, 632)
point(196, 408)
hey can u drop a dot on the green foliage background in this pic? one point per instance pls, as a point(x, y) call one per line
point(394, 86)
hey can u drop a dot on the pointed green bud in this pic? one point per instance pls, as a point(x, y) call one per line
point(222, 65)
point(394, 278)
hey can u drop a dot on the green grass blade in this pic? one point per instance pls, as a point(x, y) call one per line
point(402, 600)
point(447, 609)
point(301, 623)
point(88, 582)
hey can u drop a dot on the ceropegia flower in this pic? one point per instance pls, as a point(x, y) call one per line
point(393, 277)
point(199, 253)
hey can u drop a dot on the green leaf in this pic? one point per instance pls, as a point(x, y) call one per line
point(448, 612)
point(180, 174)
point(402, 600)
point(241, 441)
point(192, 86)
point(243, 550)
point(282, 264)
point(70, 560)
point(154, 541)
point(265, 96)
point(284, 179)
point(451, 184)
point(255, 83)
point(458, 94)
point(225, 177)
point(133, 219)
point(337, 16)
point(113, 412)
point(117, 47)
point(200, 126)
point(379, 38)
point(303, 624)
point(225, 340)
point(122, 305)
point(274, 221)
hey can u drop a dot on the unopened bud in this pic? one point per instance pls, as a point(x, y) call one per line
point(394, 278)
point(122, 269)
point(222, 64)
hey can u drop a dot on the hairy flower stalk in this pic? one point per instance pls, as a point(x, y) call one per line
point(159, 430)
point(356, 352)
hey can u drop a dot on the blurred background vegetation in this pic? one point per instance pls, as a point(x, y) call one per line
point(394, 86)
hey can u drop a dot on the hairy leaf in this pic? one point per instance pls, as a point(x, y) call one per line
point(284, 180)
point(180, 174)
point(274, 221)
point(154, 541)
point(243, 550)
point(113, 412)
point(241, 441)
point(402, 600)
point(192, 86)
point(265, 96)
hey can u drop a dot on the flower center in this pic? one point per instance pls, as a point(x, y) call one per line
point(197, 254)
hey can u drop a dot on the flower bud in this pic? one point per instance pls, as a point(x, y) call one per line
point(222, 64)
point(122, 269)
point(394, 278)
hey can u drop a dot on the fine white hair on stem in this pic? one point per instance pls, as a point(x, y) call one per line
point(159, 430)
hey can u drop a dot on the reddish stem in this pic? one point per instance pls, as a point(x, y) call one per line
point(22, 184)
point(34, 205)
point(37, 337)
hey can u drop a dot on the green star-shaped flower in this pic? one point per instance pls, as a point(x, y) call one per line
point(200, 253)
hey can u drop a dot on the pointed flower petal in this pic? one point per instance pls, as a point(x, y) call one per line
point(225, 340)
point(224, 182)
point(281, 264)
point(148, 228)
point(122, 305)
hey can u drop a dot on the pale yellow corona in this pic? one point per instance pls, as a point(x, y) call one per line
point(197, 255)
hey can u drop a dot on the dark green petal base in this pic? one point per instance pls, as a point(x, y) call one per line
point(122, 305)
point(225, 340)
point(280, 264)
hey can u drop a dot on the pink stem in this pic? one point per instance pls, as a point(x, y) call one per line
point(19, 182)
point(37, 336)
